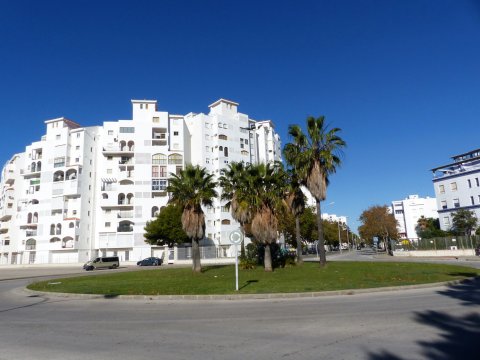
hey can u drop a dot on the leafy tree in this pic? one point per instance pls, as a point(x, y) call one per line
point(189, 190)
point(378, 222)
point(428, 228)
point(314, 157)
point(166, 229)
point(464, 222)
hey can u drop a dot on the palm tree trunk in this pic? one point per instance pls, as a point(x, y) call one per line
point(321, 240)
point(267, 258)
point(299, 241)
point(196, 266)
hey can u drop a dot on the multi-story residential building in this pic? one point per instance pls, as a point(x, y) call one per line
point(408, 211)
point(82, 191)
point(218, 138)
point(457, 186)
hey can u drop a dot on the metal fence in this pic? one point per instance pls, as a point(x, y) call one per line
point(206, 252)
point(440, 243)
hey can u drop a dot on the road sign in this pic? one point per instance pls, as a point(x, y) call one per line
point(236, 237)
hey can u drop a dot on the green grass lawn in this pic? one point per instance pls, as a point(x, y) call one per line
point(221, 279)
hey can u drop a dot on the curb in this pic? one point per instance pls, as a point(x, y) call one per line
point(247, 296)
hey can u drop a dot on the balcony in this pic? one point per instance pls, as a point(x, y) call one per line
point(4, 226)
point(6, 213)
point(125, 214)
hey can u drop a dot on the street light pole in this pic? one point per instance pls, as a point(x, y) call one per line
point(339, 238)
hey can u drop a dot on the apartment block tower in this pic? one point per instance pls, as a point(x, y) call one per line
point(408, 211)
point(457, 186)
point(84, 191)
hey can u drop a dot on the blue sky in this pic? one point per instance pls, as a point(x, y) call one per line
point(401, 78)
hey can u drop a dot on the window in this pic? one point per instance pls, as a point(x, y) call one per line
point(207, 160)
point(225, 151)
point(246, 141)
point(225, 222)
point(456, 203)
point(446, 221)
point(175, 159)
point(244, 152)
point(74, 212)
point(224, 209)
point(398, 212)
point(444, 204)
point(178, 169)
point(207, 148)
point(156, 119)
point(441, 189)
point(107, 224)
point(159, 171)
point(58, 137)
point(453, 186)
point(159, 185)
point(159, 159)
point(59, 162)
point(469, 183)
point(109, 171)
point(223, 137)
point(110, 132)
point(472, 200)
point(207, 137)
point(127, 130)
point(175, 133)
point(77, 147)
point(477, 182)
point(109, 158)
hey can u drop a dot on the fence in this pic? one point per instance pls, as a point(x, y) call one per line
point(206, 252)
point(440, 243)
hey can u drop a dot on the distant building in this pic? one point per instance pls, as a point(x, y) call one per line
point(408, 211)
point(310, 201)
point(457, 186)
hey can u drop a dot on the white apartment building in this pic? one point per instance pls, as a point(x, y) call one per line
point(457, 186)
point(84, 191)
point(408, 211)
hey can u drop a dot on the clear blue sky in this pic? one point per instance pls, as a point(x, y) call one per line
point(401, 78)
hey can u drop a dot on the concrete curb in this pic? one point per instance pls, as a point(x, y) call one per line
point(246, 296)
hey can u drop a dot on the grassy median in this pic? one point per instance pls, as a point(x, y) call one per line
point(221, 279)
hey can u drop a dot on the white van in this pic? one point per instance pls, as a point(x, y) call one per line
point(104, 262)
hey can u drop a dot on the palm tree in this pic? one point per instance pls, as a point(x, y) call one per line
point(234, 182)
point(295, 200)
point(255, 194)
point(265, 196)
point(314, 158)
point(191, 189)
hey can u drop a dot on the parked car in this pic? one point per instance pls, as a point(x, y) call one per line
point(104, 262)
point(150, 261)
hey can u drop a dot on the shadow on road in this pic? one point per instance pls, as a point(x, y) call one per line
point(459, 335)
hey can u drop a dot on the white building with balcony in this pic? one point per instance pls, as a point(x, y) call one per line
point(84, 191)
point(457, 186)
point(408, 211)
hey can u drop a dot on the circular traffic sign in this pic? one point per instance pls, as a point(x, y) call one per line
point(236, 237)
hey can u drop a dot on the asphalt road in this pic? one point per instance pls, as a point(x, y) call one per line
point(433, 323)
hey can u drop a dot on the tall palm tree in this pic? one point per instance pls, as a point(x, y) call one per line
point(315, 156)
point(191, 189)
point(295, 200)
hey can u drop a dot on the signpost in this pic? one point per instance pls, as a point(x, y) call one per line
point(236, 238)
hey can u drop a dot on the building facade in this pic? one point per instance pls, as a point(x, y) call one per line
point(408, 211)
point(84, 191)
point(457, 186)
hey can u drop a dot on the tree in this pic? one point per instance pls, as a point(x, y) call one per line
point(189, 190)
point(255, 194)
point(266, 201)
point(295, 200)
point(377, 221)
point(166, 228)
point(315, 157)
point(234, 183)
point(428, 228)
point(464, 222)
